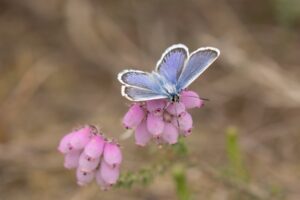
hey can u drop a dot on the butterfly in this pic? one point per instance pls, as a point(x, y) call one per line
point(174, 72)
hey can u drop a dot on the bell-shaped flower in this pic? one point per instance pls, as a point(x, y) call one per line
point(190, 99)
point(112, 154)
point(134, 116)
point(142, 135)
point(155, 124)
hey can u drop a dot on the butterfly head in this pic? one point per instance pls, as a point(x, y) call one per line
point(174, 97)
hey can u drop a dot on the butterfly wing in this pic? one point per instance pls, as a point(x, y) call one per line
point(141, 86)
point(171, 62)
point(139, 94)
point(197, 63)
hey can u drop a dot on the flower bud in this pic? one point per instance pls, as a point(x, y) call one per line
point(185, 122)
point(94, 148)
point(88, 163)
point(142, 135)
point(155, 124)
point(109, 174)
point(81, 137)
point(64, 144)
point(112, 154)
point(134, 116)
point(170, 133)
point(156, 106)
point(176, 108)
point(84, 177)
point(71, 159)
point(190, 99)
point(100, 181)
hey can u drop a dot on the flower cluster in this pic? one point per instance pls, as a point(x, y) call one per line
point(92, 155)
point(161, 119)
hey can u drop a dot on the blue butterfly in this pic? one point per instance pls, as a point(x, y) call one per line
point(174, 72)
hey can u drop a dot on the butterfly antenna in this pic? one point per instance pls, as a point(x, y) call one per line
point(204, 99)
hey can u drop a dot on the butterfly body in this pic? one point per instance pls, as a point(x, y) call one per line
point(174, 72)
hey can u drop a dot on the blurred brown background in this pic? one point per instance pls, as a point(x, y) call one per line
point(58, 66)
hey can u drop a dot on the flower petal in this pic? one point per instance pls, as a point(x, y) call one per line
point(88, 163)
point(170, 133)
point(64, 144)
point(142, 135)
point(71, 159)
point(190, 99)
point(100, 181)
point(84, 177)
point(156, 106)
point(95, 147)
point(81, 137)
point(176, 108)
point(155, 124)
point(109, 174)
point(112, 154)
point(134, 116)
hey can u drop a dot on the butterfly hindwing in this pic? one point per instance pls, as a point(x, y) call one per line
point(139, 94)
point(171, 62)
point(197, 63)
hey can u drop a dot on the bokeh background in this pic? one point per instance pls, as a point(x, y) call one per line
point(58, 66)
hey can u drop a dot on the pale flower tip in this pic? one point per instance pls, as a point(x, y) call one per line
point(112, 154)
point(142, 135)
point(155, 124)
point(134, 116)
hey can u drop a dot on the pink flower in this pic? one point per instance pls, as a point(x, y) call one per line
point(170, 133)
point(176, 108)
point(108, 173)
point(81, 137)
point(112, 154)
point(92, 155)
point(155, 124)
point(162, 119)
point(142, 135)
point(134, 116)
point(84, 177)
point(191, 99)
point(64, 145)
point(95, 147)
point(72, 159)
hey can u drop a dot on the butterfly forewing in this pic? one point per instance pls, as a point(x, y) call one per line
point(172, 61)
point(140, 79)
point(198, 62)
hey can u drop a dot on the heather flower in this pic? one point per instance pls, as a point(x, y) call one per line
point(92, 155)
point(134, 116)
point(161, 119)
